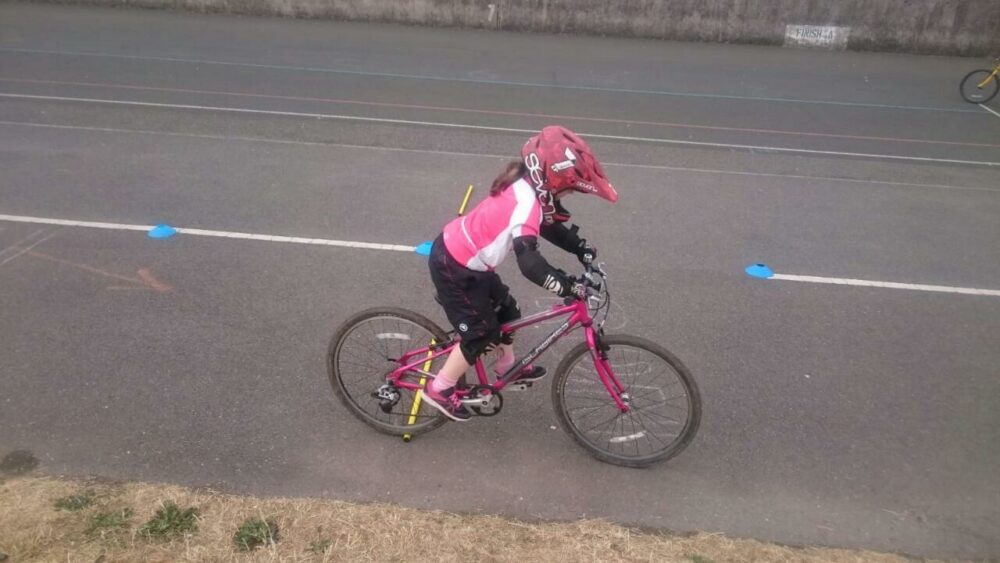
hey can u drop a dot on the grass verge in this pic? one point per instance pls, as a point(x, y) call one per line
point(160, 523)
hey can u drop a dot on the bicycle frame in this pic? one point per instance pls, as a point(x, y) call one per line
point(990, 76)
point(577, 315)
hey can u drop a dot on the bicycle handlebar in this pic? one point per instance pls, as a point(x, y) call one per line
point(594, 285)
point(588, 277)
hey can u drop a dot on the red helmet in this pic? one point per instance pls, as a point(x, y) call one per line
point(558, 160)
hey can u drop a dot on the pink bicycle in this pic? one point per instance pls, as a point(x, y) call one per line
point(625, 399)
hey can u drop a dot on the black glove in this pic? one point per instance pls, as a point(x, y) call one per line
point(574, 289)
point(585, 252)
point(560, 283)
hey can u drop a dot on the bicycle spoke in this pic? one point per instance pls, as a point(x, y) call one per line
point(603, 405)
point(360, 360)
point(654, 413)
point(655, 391)
point(375, 352)
point(614, 430)
point(650, 436)
point(375, 338)
point(671, 403)
point(366, 366)
point(603, 422)
point(641, 416)
point(594, 400)
point(683, 408)
point(635, 398)
point(590, 415)
point(651, 372)
point(378, 341)
point(631, 420)
point(647, 434)
point(587, 407)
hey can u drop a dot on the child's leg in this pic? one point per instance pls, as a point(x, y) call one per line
point(454, 368)
point(505, 358)
point(506, 310)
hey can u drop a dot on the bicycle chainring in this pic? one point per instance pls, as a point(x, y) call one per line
point(479, 394)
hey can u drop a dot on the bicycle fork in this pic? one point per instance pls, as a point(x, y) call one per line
point(990, 76)
point(599, 353)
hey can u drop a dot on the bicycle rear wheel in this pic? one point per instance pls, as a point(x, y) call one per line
point(364, 351)
point(665, 404)
point(971, 90)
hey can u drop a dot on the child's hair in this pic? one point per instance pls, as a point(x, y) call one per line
point(515, 169)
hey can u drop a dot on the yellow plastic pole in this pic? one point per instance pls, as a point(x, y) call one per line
point(427, 365)
point(468, 194)
point(416, 396)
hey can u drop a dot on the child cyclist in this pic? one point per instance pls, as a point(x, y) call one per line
point(524, 203)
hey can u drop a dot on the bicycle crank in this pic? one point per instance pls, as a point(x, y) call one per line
point(483, 400)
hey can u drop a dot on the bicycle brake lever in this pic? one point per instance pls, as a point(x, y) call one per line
point(592, 281)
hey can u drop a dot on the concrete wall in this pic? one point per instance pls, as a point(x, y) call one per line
point(968, 27)
point(939, 26)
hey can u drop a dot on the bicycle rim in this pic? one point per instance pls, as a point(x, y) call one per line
point(364, 352)
point(978, 87)
point(665, 406)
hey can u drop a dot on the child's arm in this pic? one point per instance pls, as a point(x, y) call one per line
point(568, 240)
point(538, 270)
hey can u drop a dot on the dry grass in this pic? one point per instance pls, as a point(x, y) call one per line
point(31, 529)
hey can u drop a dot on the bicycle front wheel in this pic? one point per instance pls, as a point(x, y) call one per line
point(364, 351)
point(664, 403)
point(978, 87)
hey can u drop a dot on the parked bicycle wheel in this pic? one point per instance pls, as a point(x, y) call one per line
point(974, 90)
point(665, 404)
point(364, 351)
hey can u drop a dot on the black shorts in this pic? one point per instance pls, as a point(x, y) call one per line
point(471, 299)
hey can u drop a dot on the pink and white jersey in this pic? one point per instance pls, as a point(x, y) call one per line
point(482, 238)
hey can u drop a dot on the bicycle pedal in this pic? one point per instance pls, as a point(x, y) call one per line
point(518, 386)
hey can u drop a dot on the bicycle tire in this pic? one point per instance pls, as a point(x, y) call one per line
point(969, 90)
point(676, 446)
point(351, 400)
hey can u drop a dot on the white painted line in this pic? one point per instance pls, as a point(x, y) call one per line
point(17, 245)
point(795, 151)
point(64, 222)
point(404, 248)
point(989, 110)
point(296, 240)
point(889, 285)
point(27, 248)
point(209, 233)
point(806, 177)
point(500, 129)
point(491, 156)
point(629, 438)
point(392, 336)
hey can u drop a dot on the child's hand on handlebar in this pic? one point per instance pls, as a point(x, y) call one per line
point(586, 253)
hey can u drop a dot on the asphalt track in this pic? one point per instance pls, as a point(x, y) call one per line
point(841, 415)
